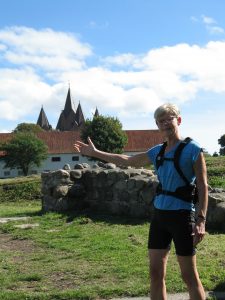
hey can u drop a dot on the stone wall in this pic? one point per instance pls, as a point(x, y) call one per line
point(102, 188)
point(105, 188)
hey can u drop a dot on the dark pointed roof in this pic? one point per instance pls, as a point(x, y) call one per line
point(96, 114)
point(79, 116)
point(67, 119)
point(68, 105)
point(43, 120)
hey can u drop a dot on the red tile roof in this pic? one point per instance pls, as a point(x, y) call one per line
point(62, 141)
point(141, 140)
point(59, 141)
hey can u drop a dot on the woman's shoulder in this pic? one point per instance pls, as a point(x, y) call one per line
point(155, 148)
point(193, 149)
point(153, 151)
point(194, 144)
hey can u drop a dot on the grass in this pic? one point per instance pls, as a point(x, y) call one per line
point(21, 208)
point(216, 171)
point(88, 257)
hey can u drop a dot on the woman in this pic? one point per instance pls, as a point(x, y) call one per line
point(173, 218)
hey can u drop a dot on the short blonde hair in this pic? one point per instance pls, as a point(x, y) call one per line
point(167, 108)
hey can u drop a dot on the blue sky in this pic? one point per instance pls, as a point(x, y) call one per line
point(125, 57)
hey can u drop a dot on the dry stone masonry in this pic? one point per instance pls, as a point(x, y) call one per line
point(107, 189)
point(102, 188)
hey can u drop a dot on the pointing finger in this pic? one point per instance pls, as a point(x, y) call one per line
point(79, 143)
point(90, 141)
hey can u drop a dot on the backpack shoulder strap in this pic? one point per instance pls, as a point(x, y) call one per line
point(160, 155)
point(177, 155)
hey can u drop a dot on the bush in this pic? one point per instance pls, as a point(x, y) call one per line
point(20, 191)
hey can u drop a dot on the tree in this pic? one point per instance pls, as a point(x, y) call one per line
point(221, 142)
point(27, 127)
point(222, 151)
point(23, 151)
point(106, 133)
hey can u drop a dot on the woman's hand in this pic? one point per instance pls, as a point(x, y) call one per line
point(199, 231)
point(85, 149)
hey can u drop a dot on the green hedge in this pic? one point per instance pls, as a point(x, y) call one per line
point(216, 171)
point(20, 191)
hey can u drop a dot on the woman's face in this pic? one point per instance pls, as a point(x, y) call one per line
point(168, 124)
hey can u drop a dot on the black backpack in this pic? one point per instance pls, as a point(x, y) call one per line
point(188, 192)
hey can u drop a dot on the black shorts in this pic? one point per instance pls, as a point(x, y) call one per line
point(176, 225)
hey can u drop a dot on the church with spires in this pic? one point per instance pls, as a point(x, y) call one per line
point(60, 141)
point(69, 120)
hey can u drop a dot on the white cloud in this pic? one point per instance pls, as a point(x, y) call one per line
point(215, 30)
point(194, 19)
point(45, 48)
point(211, 25)
point(56, 63)
point(173, 73)
point(177, 72)
point(2, 47)
point(94, 25)
point(126, 83)
point(208, 20)
point(21, 91)
point(126, 59)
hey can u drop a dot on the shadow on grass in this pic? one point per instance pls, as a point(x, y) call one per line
point(218, 292)
point(28, 214)
point(106, 218)
point(220, 288)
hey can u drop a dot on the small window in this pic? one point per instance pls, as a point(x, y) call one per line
point(20, 173)
point(56, 158)
point(75, 158)
point(6, 173)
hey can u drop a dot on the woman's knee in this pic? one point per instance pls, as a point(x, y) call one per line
point(190, 278)
point(158, 262)
point(157, 274)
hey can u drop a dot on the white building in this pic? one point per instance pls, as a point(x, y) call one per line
point(60, 142)
point(61, 150)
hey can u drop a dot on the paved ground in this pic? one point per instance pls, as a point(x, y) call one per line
point(181, 296)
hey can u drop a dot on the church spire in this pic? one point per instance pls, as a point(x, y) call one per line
point(96, 114)
point(67, 118)
point(79, 116)
point(43, 120)
point(68, 105)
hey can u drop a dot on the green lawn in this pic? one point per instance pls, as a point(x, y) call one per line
point(88, 257)
point(69, 257)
